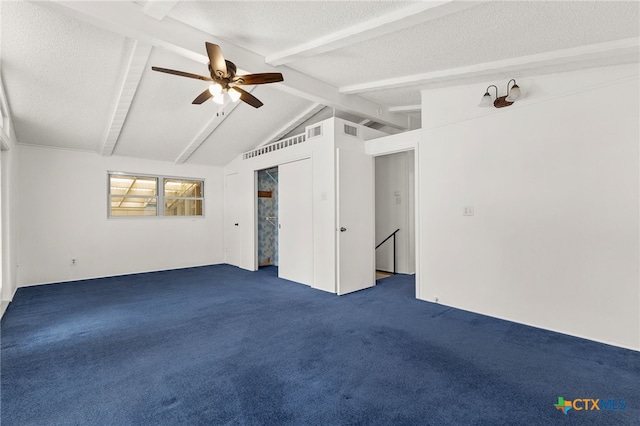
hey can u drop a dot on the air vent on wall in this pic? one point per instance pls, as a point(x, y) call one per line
point(350, 130)
point(314, 131)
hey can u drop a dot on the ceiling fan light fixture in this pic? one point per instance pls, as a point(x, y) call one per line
point(219, 98)
point(234, 94)
point(215, 89)
point(222, 74)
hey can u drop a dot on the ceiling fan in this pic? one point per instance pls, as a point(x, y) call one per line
point(224, 79)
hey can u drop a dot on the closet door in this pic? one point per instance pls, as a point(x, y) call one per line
point(295, 217)
point(232, 225)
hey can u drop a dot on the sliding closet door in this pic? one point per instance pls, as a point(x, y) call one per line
point(295, 216)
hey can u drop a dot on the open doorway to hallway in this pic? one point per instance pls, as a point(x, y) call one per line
point(395, 214)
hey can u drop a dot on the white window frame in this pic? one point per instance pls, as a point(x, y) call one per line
point(160, 197)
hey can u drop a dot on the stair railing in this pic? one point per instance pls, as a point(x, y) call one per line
point(394, 247)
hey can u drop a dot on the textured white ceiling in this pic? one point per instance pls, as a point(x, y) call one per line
point(60, 75)
point(162, 120)
point(266, 27)
point(256, 124)
point(488, 32)
point(63, 64)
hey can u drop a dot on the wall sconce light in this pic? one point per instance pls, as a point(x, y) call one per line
point(513, 94)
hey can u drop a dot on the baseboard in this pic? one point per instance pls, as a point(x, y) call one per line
point(5, 303)
point(552, 329)
point(396, 273)
point(150, 271)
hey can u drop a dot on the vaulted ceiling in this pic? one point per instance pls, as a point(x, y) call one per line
point(77, 74)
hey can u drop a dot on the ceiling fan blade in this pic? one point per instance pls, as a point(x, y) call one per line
point(264, 78)
point(216, 60)
point(202, 97)
point(248, 97)
point(182, 73)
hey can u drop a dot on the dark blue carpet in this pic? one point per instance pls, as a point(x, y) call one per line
point(219, 345)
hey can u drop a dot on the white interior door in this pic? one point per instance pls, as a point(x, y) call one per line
point(295, 218)
point(232, 219)
point(356, 225)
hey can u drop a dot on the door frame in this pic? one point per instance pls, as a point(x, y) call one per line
point(254, 198)
point(415, 147)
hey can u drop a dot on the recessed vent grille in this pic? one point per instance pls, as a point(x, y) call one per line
point(314, 131)
point(293, 140)
point(350, 130)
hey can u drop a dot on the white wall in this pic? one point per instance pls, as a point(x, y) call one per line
point(9, 222)
point(394, 206)
point(407, 141)
point(320, 150)
point(63, 215)
point(554, 180)
point(8, 197)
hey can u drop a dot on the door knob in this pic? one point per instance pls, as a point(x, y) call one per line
point(343, 229)
point(235, 224)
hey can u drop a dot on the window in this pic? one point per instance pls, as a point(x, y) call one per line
point(140, 195)
point(182, 197)
point(133, 195)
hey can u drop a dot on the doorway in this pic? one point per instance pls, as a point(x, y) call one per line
point(284, 220)
point(267, 205)
point(395, 214)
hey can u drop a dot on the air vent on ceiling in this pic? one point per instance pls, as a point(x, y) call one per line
point(350, 130)
point(293, 140)
point(314, 131)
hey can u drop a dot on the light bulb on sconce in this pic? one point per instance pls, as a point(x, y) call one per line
point(486, 100)
point(513, 94)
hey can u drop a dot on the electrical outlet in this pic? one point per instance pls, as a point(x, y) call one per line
point(74, 261)
point(467, 211)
